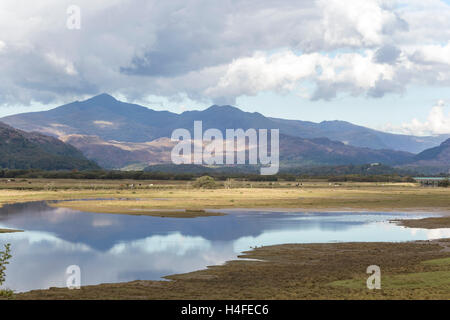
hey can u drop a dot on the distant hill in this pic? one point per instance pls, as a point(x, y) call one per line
point(201, 169)
point(440, 154)
point(293, 151)
point(338, 170)
point(360, 136)
point(23, 150)
point(323, 151)
point(110, 119)
point(434, 160)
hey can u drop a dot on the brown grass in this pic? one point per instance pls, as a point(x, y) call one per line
point(161, 196)
point(296, 271)
point(9, 230)
point(374, 198)
point(426, 223)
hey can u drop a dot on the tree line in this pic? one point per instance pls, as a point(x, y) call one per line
point(143, 175)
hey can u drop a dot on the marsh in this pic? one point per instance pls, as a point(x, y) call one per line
point(112, 248)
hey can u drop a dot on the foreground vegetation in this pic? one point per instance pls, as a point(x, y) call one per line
point(5, 255)
point(412, 270)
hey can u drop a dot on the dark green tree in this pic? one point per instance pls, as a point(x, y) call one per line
point(205, 182)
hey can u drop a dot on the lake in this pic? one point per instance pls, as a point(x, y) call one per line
point(117, 248)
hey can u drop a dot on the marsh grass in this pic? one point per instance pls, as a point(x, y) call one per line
point(314, 198)
point(426, 223)
point(418, 280)
point(294, 271)
point(9, 230)
point(438, 262)
point(146, 195)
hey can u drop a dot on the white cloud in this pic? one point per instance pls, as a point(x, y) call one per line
point(438, 122)
point(358, 23)
point(430, 54)
point(261, 72)
point(202, 50)
point(61, 63)
point(174, 243)
point(351, 72)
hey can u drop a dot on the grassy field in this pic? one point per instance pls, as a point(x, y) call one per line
point(151, 197)
point(9, 230)
point(411, 270)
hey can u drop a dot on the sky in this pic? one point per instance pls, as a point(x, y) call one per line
point(381, 64)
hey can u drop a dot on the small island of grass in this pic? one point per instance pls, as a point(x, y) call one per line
point(9, 230)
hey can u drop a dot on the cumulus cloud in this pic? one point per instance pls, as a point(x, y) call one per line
point(432, 54)
point(218, 51)
point(438, 122)
point(355, 73)
point(62, 64)
point(359, 23)
point(260, 72)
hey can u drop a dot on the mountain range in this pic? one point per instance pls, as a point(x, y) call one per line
point(111, 119)
point(117, 134)
point(23, 150)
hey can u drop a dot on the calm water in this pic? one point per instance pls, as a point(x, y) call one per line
point(117, 248)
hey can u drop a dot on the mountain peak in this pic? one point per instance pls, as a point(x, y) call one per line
point(102, 98)
point(216, 107)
